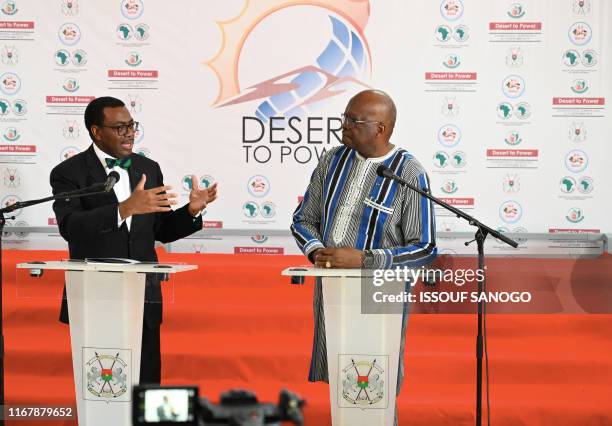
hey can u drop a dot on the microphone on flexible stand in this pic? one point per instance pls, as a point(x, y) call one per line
point(111, 180)
point(386, 172)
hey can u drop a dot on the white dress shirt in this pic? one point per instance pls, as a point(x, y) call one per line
point(121, 188)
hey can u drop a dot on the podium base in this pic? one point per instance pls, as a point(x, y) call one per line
point(106, 311)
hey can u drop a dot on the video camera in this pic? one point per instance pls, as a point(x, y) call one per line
point(180, 405)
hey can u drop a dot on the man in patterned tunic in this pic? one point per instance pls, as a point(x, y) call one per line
point(352, 218)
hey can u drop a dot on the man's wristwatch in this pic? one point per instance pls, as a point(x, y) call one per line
point(367, 259)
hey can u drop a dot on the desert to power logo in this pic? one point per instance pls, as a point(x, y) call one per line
point(11, 134)
point(516, 11)
point(451, 61)
point(513, 138)
point(283, 98)
point(9, 7)
point(449, 186)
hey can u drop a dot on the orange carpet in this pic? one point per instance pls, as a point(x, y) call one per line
point(237, 323)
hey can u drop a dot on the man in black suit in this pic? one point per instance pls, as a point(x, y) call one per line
point(127, 221)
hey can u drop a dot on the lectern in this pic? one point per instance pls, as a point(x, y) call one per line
point(105, 305)
point(362, 348)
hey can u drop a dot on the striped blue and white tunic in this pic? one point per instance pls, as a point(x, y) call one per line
point(348, 205)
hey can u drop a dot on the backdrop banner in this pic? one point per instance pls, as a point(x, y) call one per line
point(504, 103)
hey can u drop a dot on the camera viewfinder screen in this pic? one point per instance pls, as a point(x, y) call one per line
point(168, 405)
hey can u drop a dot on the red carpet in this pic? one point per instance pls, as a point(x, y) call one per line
point(237, 323)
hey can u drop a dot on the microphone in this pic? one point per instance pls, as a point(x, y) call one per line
point(111, 180)
point(386, 172)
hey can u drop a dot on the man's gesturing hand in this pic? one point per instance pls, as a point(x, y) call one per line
point(199, 198)
point(147, 200)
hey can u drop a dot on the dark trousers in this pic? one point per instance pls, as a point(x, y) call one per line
point(150, 356)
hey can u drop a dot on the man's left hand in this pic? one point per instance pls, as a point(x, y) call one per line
point(342, 257)
point(199, 198)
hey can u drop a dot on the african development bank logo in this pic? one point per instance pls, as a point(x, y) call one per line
point(442, 159)
point(77, 58)
point(507, 111)
point(106, 373)
point(204, 181)
point(362, 381)
point(345, 58)
point(572, 58)
point(584, 185)
point(459, 33)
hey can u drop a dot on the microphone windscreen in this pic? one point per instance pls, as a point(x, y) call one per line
point(382, 170)
point(114, 175)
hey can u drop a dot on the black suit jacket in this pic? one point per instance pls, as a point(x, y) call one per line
point(89, 224)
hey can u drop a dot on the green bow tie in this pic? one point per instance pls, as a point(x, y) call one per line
point(124, 163)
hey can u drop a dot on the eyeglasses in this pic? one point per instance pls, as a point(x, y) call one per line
point(122, 129)
point(350, 122)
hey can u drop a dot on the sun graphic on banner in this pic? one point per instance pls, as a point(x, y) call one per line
point(346, 58)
